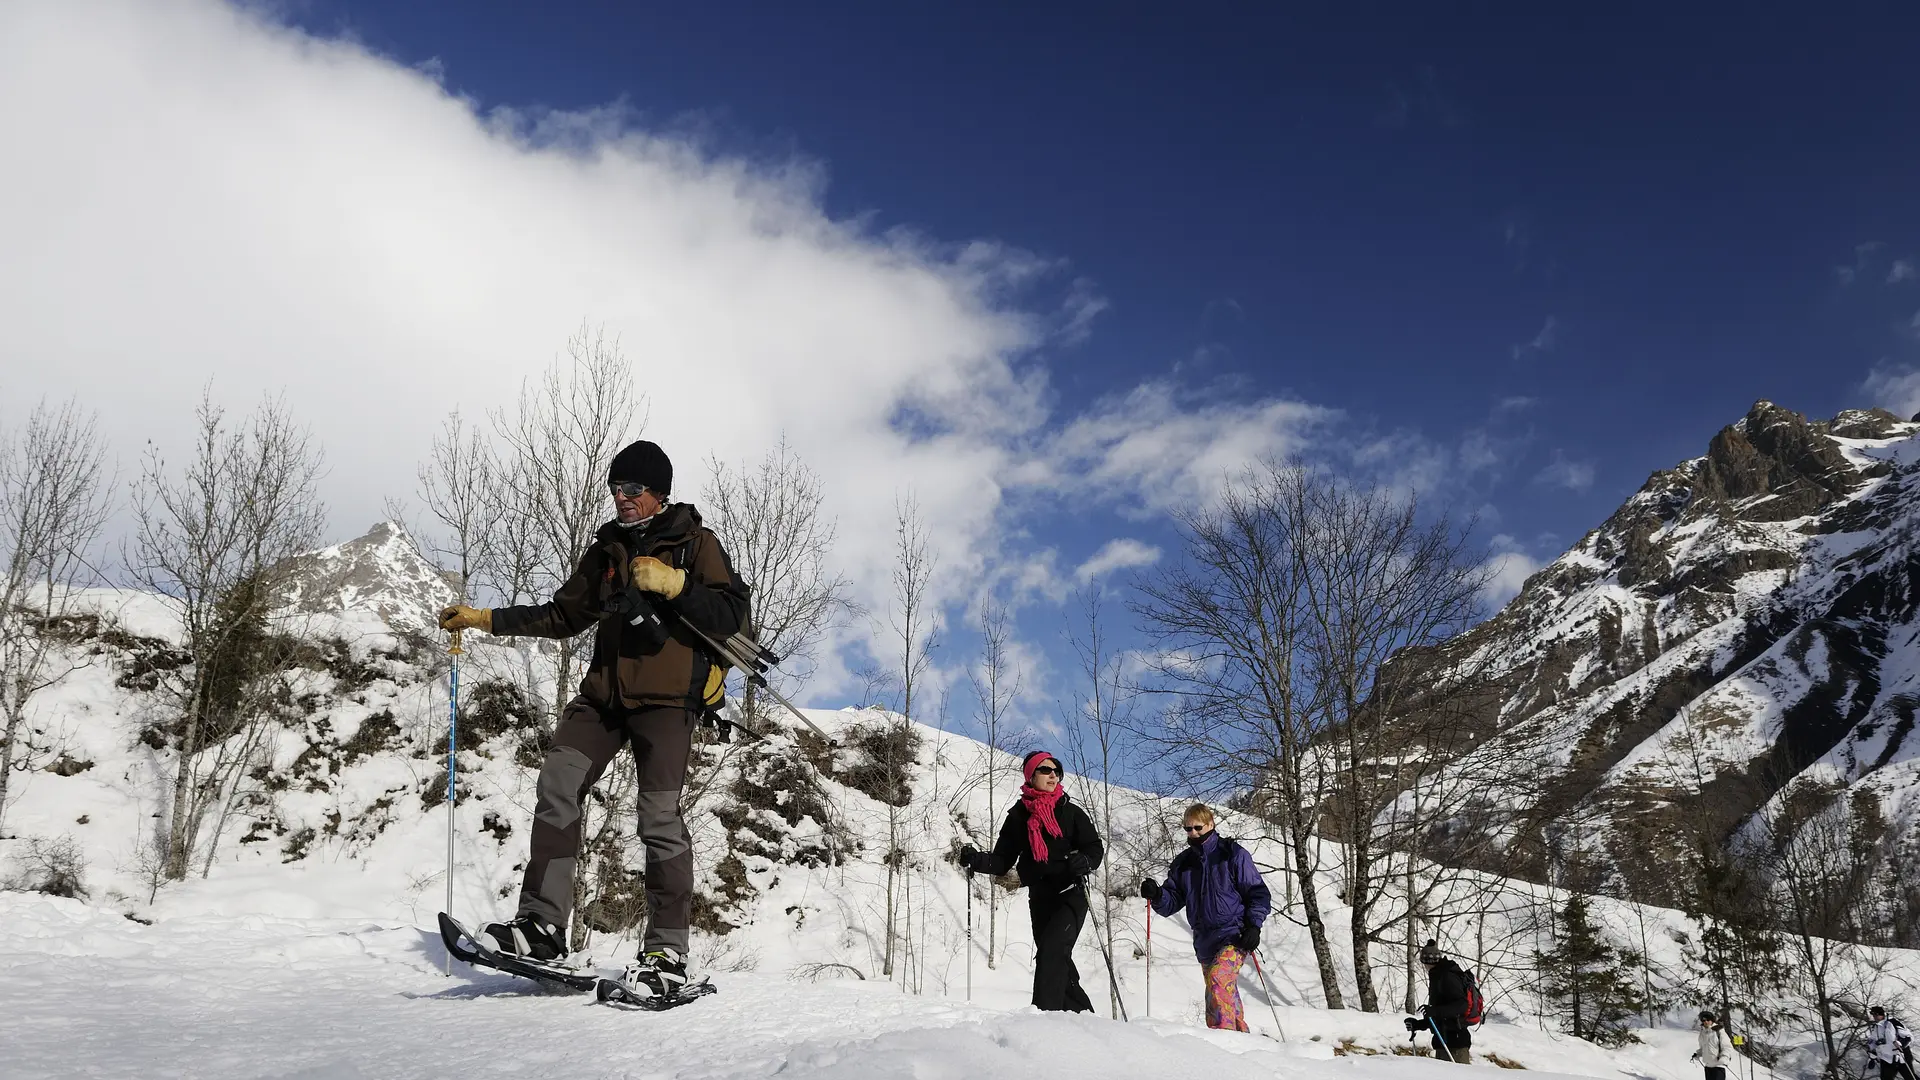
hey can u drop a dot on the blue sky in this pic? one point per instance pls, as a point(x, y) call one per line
point(1633, 220)
point(1047, 270)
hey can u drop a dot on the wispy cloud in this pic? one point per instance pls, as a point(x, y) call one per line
point(1543, 342)
point(1901, 270)
point(1122, 553)
point(1507, 571)
point(1865, 256)
point(1562, 473)
point(1420, 99)
point(1895, 388)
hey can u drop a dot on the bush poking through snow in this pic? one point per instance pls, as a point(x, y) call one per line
point(53, 866)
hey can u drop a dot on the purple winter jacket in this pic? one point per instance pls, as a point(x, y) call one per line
point(1220, 888)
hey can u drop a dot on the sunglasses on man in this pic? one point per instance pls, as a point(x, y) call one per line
point(628, 488)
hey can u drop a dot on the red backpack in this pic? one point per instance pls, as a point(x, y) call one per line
point(1476, 1004)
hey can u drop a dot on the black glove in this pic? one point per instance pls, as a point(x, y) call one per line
point(1414, 1026)
point(1424, 1012)
point(969, 859)
point(1078, 864)
point(1249, 938)
point(1149, 889)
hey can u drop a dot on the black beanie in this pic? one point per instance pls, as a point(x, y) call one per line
point(643, 463)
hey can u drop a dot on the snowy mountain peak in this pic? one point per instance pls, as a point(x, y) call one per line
point(1748, 618)
point(382, 573)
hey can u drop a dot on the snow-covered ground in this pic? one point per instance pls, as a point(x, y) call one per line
point(88, 993)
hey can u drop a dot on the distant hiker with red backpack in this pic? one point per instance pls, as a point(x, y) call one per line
point(1227, 903)
point(1453, 1006)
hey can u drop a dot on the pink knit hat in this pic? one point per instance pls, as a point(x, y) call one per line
point(1035, 760)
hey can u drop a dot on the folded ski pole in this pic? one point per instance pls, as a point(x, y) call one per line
point(754, 661)
point(453, 760)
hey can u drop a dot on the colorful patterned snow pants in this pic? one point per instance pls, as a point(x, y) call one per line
point(1224, 1009)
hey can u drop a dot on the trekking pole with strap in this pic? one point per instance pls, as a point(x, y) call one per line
point(1439, 1038)
point(453, 760)
point(1268, 987)
point(969, 881)
point(1149, 958)
point(1113, 980)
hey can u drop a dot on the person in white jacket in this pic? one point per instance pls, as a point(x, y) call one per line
point(1714, 1048)
point(1888, 1041)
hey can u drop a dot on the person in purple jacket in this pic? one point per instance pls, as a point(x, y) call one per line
point(1226, 902)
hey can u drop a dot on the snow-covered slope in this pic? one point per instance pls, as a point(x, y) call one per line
point(301, 943)
point(1749, 618)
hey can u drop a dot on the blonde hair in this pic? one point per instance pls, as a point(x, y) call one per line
point(1198, 813)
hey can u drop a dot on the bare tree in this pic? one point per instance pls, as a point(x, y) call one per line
point(768, 519)
point(997, 681)
point(1101, 713)
point(914, 622)
point(456, 483)
point(1246, 697)
point(213, 542)
point(559, 438)
point(53, 502)
point(1819, 886)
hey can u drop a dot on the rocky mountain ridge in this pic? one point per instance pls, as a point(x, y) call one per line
point(1747, 622)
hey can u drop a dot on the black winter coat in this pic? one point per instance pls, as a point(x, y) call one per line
point(1076, 834)
point(1447, 1001)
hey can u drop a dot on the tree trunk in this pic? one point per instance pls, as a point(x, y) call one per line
point(1359, 889)
point(179, 838)
point(1316, 929)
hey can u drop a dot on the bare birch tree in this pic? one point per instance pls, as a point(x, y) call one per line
point(213, 542)
point(559, 438)
point(1246, 698)
point(915, 624)
point(767, 517)
point(456, 483)
point(1097, 722)
point(53, 501)
point(997, 682)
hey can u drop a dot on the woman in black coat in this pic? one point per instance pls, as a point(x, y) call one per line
point(1053, 843)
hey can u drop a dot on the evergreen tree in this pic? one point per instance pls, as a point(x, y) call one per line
point(1589, 977)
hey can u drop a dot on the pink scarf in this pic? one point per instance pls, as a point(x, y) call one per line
point(1040, 820)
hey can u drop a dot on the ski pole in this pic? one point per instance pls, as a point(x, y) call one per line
point(1439, 1038)
point(453, 729)
point(1268, 986)
point(969, 881)
point(1112, 979)
point(1149, 958)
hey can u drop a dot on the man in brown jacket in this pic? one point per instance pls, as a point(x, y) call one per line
point(645, 687)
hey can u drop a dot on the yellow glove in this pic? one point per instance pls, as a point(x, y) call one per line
point(716, 691)
point(652, 575)
point(461, 617)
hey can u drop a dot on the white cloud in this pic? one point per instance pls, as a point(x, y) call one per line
point(1572, 475)
point(1896, 389)
point(1123, 553)
point(190, 191)
point(1902, 270)
point(1158, 446)
point(1508, 569)
point(1543, 342)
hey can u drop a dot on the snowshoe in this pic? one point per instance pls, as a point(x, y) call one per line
point(657, 981)
point(478, 951)
point(528, 938)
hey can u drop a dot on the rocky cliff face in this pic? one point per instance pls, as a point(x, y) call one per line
point(382, 573)
point(1748, 619)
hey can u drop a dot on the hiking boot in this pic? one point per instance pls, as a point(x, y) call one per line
point(528, 937)
point(662, 970)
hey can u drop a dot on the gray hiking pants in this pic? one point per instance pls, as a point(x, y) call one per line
point(583, 746)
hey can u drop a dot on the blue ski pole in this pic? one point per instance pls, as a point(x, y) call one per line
point(453, 732)
point(1439, 1038)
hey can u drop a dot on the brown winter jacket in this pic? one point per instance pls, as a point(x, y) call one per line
point(627, 668)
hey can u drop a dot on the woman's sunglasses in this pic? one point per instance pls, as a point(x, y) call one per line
point(1048, 769)
point(1196, 828)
